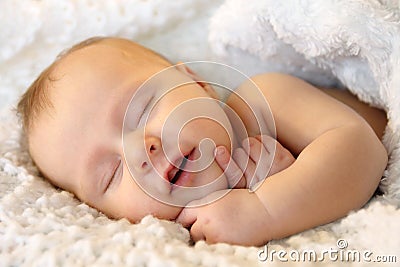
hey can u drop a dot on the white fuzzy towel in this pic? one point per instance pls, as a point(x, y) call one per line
point(355, 41)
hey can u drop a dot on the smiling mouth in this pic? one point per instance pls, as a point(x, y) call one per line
point(179, 171)
point(175, 174)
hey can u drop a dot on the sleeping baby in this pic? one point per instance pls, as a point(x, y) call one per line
point(300, 157)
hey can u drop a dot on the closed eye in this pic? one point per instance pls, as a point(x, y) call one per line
point(145, 109)
point(116, 173)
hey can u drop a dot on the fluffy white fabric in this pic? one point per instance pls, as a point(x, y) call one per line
point(351, 42)
point(355, 41)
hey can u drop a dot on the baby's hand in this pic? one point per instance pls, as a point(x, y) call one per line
point(239, 217)
point(251, 163)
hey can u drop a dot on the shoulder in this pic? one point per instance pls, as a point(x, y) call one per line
point(273, 77)
point(277, 86)
point(300, 111)
point(257, 100)
point(251, 102)
point(268, 93)
point(273, 86)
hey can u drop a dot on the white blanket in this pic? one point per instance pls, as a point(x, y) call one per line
point(354, 43)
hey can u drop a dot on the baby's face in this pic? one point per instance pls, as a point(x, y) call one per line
point(83, 145)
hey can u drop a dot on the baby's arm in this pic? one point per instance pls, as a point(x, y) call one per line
point(339, 164)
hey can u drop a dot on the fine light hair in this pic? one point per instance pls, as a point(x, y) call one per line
point(35, 100)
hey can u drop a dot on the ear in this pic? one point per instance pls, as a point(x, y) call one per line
point(187, 71)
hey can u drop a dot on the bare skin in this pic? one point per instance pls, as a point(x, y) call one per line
point(375, 117)
point(339, 163)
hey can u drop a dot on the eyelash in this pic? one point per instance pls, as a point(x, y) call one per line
point(146, 107)
point(113, 176)
point(112, 179)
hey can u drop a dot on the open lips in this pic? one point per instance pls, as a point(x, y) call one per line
point(173, 174)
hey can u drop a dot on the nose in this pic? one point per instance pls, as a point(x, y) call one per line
point(152, 148)
point(140, 151)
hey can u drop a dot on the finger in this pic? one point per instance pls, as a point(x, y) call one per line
point(268, 142)
point(233, 173)
point(260, 155)
point(282, 160)
point(187, 217)
point(271, 145)
point(196, 232)
point(247, 165)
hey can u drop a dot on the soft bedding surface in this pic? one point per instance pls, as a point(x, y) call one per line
point(349, 43)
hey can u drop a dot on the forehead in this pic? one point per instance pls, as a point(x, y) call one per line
point(89, 90)
point(102, 65)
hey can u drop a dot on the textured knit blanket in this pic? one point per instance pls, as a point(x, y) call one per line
point(352, 44)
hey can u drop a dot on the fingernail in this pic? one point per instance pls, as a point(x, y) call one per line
point(220, 150)
point(251, 142)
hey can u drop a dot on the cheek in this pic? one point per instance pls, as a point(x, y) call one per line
point(131, 202)
point(220, 133)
